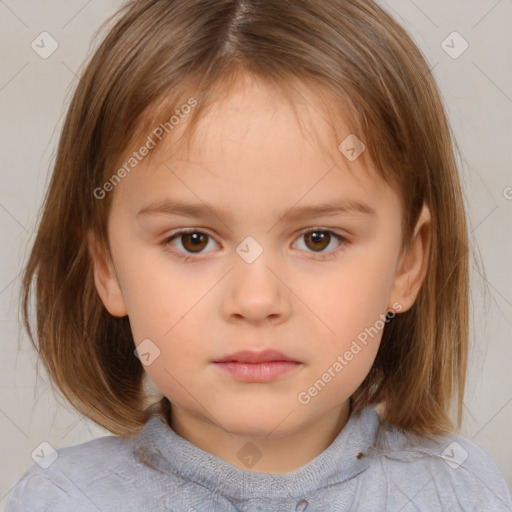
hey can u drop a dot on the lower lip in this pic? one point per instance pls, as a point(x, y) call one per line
point(257, 372)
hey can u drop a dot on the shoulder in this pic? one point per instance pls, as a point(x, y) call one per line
point(77, 477)
point(446, 472)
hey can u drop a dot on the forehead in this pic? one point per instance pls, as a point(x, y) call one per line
point(256, 145)
point(254, 113)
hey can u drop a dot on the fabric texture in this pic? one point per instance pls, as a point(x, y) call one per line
point(368, 467)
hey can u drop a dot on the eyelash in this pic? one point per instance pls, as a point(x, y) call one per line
point(189, 257)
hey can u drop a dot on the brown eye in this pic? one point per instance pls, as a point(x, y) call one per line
point(195, 241)
point(188, 242)
point(317, 240)
point(324, 243)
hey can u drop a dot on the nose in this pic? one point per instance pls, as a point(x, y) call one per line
point(255, 292)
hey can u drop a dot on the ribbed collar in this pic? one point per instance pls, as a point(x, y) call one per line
point(166, 451)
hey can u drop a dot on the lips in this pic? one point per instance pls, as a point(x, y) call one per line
point(249, 356)
point(257, 367)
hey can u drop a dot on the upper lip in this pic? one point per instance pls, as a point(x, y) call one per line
point(253, 356)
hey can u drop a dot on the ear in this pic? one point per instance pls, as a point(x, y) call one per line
point(105, 279)
point(413, 264)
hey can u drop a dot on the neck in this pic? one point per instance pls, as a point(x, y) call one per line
point(262, 454)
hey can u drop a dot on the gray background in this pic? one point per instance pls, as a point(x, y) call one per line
point(476, 88)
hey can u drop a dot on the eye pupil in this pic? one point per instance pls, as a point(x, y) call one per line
point(320, 239)
point(195, 240)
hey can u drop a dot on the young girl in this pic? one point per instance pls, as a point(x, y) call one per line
point(255, 205)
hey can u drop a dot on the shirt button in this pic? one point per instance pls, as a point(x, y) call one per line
point(302, 505)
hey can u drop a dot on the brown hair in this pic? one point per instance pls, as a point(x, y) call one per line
point(159, 53)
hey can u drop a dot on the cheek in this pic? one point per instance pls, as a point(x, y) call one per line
point(356, 314)
point(358, 294)
point(180, 351)
point(163, 306)
point(354, 306)
point(158, 294)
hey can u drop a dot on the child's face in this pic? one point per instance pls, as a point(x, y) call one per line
point(307, 297)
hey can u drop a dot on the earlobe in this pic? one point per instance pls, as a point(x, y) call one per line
point(413, 264)
point(105, 279)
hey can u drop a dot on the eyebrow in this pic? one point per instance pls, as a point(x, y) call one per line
point(204, 210)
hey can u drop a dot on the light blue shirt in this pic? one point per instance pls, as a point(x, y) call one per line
point(157, 470)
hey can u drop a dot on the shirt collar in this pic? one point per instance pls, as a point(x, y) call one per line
point(158, 446)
